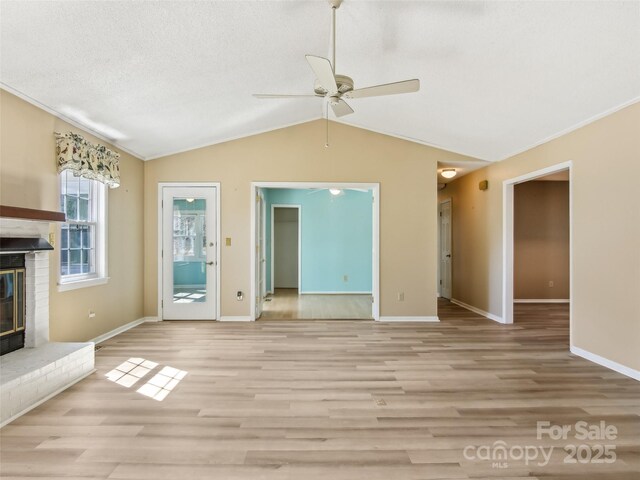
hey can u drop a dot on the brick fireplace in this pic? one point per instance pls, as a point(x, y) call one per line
point(40, 370)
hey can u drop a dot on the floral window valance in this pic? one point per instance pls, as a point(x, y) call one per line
point(96, 162)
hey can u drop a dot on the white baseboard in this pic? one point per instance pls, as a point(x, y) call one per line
point(42, 400)
point(541, 300)
point(335, 293)
point(151, 319)
point(408, 319)
point(236, 318)
point(488, 315)
point(120, 329)
point(605, 362)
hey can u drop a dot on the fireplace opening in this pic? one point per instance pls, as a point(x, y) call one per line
point(12, 302)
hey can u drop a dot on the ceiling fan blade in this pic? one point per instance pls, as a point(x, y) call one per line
point(324, 72)
point(407, 86)
point(341, 108)
point(276, 95)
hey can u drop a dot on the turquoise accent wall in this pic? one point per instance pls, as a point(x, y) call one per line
point(336, 238)
point(189, 273)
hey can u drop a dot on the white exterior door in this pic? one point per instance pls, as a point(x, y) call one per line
point(445, 249)
point(189, 253)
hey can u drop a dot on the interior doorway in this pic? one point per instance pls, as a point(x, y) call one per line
point(541, 251)
point(285, 246)
point(322, 260)
point(537, 266)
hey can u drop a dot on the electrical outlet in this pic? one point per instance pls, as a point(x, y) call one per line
point(550, 283)
point(401, 296)
point(92, 314)
point(227, 241)
point(345, 278)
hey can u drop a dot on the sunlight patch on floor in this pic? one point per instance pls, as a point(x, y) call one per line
point(161, 384)
point(129, 372)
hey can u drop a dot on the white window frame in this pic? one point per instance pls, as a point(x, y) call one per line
point(99, 277)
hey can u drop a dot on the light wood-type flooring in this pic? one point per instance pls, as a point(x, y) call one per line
point(286, 304)
point(331, 400)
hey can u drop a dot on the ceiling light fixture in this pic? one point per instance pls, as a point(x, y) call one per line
point(190, 200)
point(335, 191)
point(449, 172)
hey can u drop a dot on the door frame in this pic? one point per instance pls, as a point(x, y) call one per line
point(262, 240)
point(375, 266)
point(450, 200)
point(161, 186)
point(508, 238)
point(272, 223)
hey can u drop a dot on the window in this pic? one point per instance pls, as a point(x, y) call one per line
point(82, 238)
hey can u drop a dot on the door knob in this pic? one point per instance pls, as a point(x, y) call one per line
point(449, 256)
point(209, 263)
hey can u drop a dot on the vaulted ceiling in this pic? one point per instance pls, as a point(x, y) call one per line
point(161, 77)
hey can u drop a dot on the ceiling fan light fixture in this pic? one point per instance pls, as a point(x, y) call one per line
point(449, 172)
point(335, 191)
point(335, 88)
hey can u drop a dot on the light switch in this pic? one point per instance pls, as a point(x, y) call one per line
point(227, 241)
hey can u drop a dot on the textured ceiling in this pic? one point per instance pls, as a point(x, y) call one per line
point(163, 77)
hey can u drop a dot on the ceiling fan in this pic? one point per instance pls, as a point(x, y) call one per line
point(335, 87)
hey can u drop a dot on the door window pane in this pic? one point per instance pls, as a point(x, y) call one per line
point(189, 252)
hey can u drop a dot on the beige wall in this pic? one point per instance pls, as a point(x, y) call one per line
point(606, 232)
point(406, 172)
point(28, 178)
point(541, 240)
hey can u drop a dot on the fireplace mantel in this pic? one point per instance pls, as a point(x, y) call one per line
point(20, 213)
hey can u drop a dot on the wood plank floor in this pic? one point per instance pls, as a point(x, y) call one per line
point(330, 400)
point(286, 304)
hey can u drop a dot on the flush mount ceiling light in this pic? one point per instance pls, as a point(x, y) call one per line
point(335, 191)
point(190, 200)
point(449, 172)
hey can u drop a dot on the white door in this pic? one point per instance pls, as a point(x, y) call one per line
point(189, 253)
point(260, 255)
point(445, 249)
